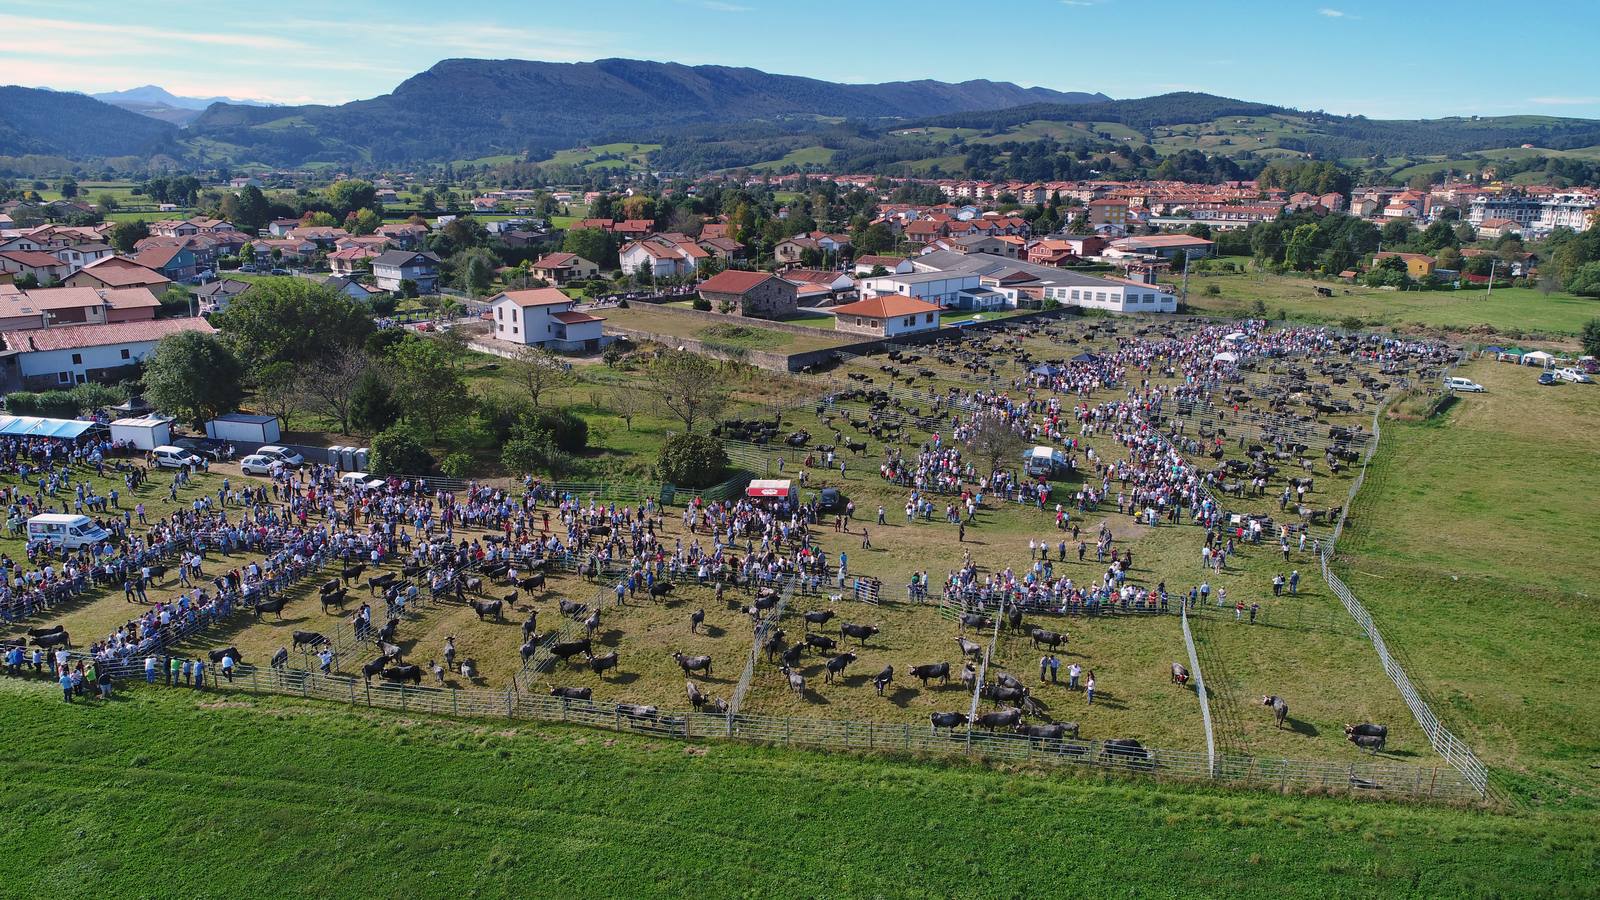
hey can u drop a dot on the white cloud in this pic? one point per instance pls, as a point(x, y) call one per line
point(101, 30)
point(719, 6)
point(1333, 13)
point(1565, 101)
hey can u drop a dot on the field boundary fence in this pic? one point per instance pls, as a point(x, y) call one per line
point(1199, 688)
point(758, 639)
point(1444, 742)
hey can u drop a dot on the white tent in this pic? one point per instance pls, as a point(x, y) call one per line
point(1225, 357)
point(1537, 358)
point(1236, 337)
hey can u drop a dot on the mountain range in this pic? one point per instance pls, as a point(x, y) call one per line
point(160, 103)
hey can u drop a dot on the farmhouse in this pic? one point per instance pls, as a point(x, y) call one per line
point(760, 295)
point(1418, 265)
point(74, 354)
point(544, 317)
point(887, 316)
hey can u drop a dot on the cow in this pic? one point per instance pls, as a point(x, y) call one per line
point(969, 648)
point(53, 639)
point(791, 656)
point(947, 720)
point(797, 682)
point(1055, 732)
point(774, 643)
point(530, 625)
point(328, 587)
point(1051, 639)
point(399, 674)
point(1126, 751)
point(1280, 707)
point(473, 584)
point(1006, 679)
point(697, 697)
point(380, 581)
point(662, 589)
point(392, 651)
point(928, 671)
point(568, 649)
point(817, 617)
point(592, 623)
point(488, 609)
point(375, 667)
point(437, 670)
point(693, 663)
point(969, 676)
point(386, 634)
point(1005, 718)
point(696, 619)
point(216, 655)
point(529, 648)
point(529, 583)
point(571, 693)
point(821, 642)
point(1369, 742)
point(1180, 674)
point(1014, 618)
point(280, 660)
point(1005, 693)
point(974, 620)
point(274, 606)
point(572, 608)
point(836, 665)
point(306, 640)
point(859, 632)
point(41, 632)
point(599, 664)
point(883, 679)
point(1367, 729)
point(353, 573)
point(335, 598)
point(637, 711)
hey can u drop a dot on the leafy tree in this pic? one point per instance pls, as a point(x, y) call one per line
point(1585, 281)
point(532, 448)
point(689, 386)
point(398, 452)
point(1300, 254)
point(427, 383)
point(251, 209)
point(247, 255)
point(692, 460)
point(349, 195)
point(194, 376)
point(318, 219)
point(107, 202)
point(1591, 337)
point(597, 246)
point(291, 320)
point(1199, 230)
point(538, 371)
point(362, 221)
point(124, 235)
point(69, 188)
point(372, 404)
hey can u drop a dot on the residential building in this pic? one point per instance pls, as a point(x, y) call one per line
point(173, 262)
point(353, 261)
point(118, 272)
point(1418, 265)
point(348, 286)
point(392, 267)
point(893, 265)
point(64, 355)
point(887, 316)
point(759, 295)
point(76, 256)
point(1108, 211)
point(544, 317)
point(660, 256)
point(215, 296)
point(1162, 246)
point(44, 307)
point(34, 263)
point(560, 268)
point(1493, 229)
point(937, 287)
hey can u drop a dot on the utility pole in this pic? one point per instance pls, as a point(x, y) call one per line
point(1492, 264)
point(1185, 298)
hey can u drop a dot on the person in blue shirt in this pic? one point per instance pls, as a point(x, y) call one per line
point(66, 685)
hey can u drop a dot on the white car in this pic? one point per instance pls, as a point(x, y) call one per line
point(258, 464)
point(361, 481)
point(1464, 385)
point(1576, 376)
point(170, 457)
point(282, 454)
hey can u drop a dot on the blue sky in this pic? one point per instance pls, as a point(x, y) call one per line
point(1384, 59)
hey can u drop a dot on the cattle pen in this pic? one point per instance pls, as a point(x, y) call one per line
point(1441, 783)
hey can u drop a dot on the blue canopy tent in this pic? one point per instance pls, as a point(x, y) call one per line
point(1085, 358)
point(34, 426)
point(1044, 369)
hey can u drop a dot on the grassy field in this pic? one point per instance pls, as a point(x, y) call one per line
point(170, 793)
point(1473, 547)
point(628, 156)
point(805, 157)
point(1503, 311)
point(645, 318)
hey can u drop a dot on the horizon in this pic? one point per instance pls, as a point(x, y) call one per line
point(301, 59)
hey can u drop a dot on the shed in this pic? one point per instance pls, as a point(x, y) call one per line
point(145, 433)
point(244, 428)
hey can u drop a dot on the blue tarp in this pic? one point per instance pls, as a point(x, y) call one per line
point(33, 426)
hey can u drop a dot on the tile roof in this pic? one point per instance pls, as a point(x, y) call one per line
point(77, 337)
point(734, 281)
point(546, 296)
point(573, 317)
point(117, 271)
point(886, 307)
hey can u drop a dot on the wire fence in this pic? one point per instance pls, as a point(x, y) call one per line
point(1200, 690)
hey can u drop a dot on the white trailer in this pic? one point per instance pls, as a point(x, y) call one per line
point(244, 428)
point(146, 433)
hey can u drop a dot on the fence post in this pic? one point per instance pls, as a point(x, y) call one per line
point(510, 703)
point(369, 695)
point(352, 685)
point(455, 706)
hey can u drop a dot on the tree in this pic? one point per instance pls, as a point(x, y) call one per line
point(277, 389)
point(247, 255)
point(691, 460)
point(629, 404)
point(689, 386)
point(252, 211)
point(1591, 337)
point(993, 441)
point(107, 202)
point(291, 320)
point(1300, 254)
point(124, 235)
point(333, 382)
point(538, 371)
point(362, 221)
point(69, 188)
point(398, 452)
point(427, 383)
point(534, 448)
point(372, 404)
point(1199, 230)
point(1584, 280)
point(194, 376)
point(350, 195)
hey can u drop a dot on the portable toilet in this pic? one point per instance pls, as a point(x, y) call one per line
point(333, 456)
point(362, 456)
point(347, 459)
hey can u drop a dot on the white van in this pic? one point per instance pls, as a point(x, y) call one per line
point(1463, 384)
point(65, 530)
point(361, 481)
point(1044, 461)
point(172, 457)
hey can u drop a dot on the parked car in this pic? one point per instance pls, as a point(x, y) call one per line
point(1576, 376)
point(282, 454)
point(1466, 385)
point(830, 501)
point(1547, 378)
point(361, 481)
point(280, 271)
point(256, 464)
point(170, 457)
point(203, 447)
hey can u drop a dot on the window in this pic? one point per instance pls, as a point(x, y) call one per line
point(513, 314)
point(1074, 293)
point(513, 329)
point(126, 355)
point(64, 377)
point(930, 318)
point(1100, 296)
point(500, 313)
point(77, 359)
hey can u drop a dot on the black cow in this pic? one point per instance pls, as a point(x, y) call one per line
point(380, 581)
point(859, 632)
point(305, 640)
point(969, 648)
point(696, 619)
point(329, 587)
point(883, 679)
point(571, 693)
point(817, 617)
point(274, 606)
point(1005, 718)
point(488, 608)
point(530, 582)
point(568, 649)
point(1051, 639)
point(280, 660)
point(599, 664)
point(1005, 693)
point(1369, 742)
point(662, 588)
point(354, 573)
point(572, 608)
point(1367, 729)
point(821, 641)
point(791, 656)
point(774, 643)
point(1126, 751)
point(335, 598)
point(837, 664)
point(375, 667)
point(392, 651)
point(529, 648)
point(53, 639)
point(928, 671)
point(975, 620)
point(1180, 674)
point(217, 655)
point(1014, 618)
point(1280, 707)
point(947, 720)
point(387, 633)
point(693, 663)
point(1056, 732)
point(41, 632)
point(398, 674)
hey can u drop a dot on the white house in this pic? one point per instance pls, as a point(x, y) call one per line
point(940, 288)
point(894, 265)
point(1114, 295)
point(395, 266)
point(661, 257)
point(77, 256)
point(545, 317)
point(887, 315)
point(74, 354)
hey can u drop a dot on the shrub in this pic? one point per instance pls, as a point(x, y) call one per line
point(701, 304)
point(398, 452)
point(567, 429)
point(692, 460)
point(1213, 290)
point(457, 465)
